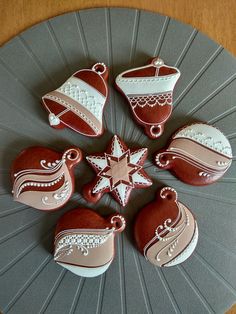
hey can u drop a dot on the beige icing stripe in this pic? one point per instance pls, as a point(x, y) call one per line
point(97, 256)
point(183, 236)
point(76, 108)
point(199, 153)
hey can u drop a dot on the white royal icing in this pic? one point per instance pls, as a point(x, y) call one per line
point(86, 271)
point(86, 95)
point(187, 252)
point(148, 84)
point(173, 238)
point(121, 188)
point(208, 136)
point(47, 177)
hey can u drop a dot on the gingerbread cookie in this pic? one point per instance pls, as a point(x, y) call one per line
point(149, 91)
point(119, 170)
point(79, 102)
point(166, 231)
point(84, 241)
point(198, 154)
point(43, 178)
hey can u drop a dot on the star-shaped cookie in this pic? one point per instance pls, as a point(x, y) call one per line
point(119, 170)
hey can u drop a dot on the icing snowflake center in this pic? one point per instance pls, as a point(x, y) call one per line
point(119, 170)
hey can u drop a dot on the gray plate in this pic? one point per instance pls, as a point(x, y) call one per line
point(38, 61)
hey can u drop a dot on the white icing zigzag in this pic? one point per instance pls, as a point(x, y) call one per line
point(151, 100)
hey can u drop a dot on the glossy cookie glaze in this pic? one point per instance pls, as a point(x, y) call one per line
point(198, 154)
point(149, 91)
point(79, 102)
point(119, 170)
point(84, 241)
point(43, 178)
point(165, 230)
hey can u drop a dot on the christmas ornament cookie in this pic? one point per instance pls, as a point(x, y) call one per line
point(198, 154)
point(43, 178)
point(84, 241)
point(119, 170)
point(149, 91)
point(165, 230)
point(79, 102)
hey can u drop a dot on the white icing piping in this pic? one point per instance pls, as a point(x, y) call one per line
point(83, 242)
point(46, 178)
point(161, 233)
point(173, 232)
point(150, 100)
point(205, 139)
point(187, 251)
point(199, 163)
point(176, 232)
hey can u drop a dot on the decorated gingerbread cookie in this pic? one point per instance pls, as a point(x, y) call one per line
point(84, 241)
point(43, 178)
point(166, 231)
point(119, 170)
point(198, 154)
point(79, 102)
point(149, 91)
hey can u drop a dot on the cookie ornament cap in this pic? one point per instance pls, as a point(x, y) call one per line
point(165, 230)
point(84, 241)
point(119, 170)
point(149, 91)
point(79, 102)
point(197, 154)
point(43, 178)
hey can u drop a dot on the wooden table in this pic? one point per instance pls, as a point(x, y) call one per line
point(215, 18)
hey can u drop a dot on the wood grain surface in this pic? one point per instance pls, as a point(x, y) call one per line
point(215, 18)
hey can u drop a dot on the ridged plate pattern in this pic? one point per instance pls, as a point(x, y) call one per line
point(38, 61)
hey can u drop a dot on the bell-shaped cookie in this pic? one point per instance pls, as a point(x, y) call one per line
point(149, 91)
point(79, 102)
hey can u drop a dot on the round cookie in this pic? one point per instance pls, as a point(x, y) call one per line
point(79, 102)
point(149, 91)
point(84, 241)
point(197, 154)
point(43, 178)
point(119, 170)
point(165, 230)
